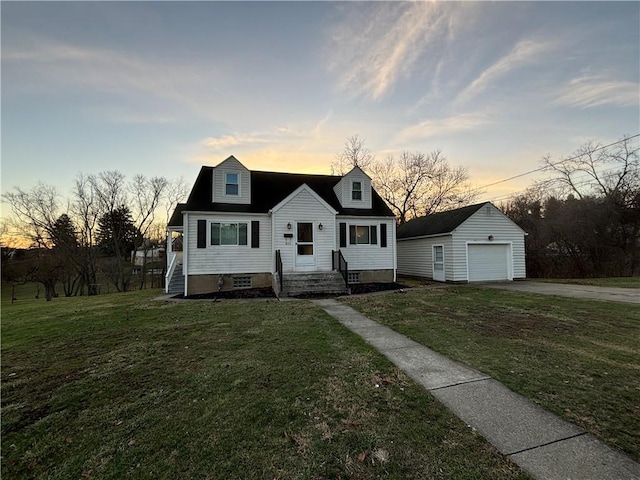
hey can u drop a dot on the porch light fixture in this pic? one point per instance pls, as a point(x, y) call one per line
point(289, 226)
point(320, 226)
point(490, 237)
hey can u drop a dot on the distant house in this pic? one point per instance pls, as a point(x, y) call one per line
point(298, 233)
point(470, 244)
point(146, 255)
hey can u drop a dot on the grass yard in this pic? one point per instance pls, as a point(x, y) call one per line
point(620, 282)
point(577, 358)
point(120, 386)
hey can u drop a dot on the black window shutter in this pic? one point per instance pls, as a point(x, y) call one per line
point(343, 235)
point(255, 234)
point(383, 235)
point(202, 233)
point(373, 237)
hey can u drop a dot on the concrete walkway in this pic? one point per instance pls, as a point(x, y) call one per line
point(613, 294)
point(541, 443)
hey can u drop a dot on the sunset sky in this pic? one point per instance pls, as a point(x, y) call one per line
point(163, 88)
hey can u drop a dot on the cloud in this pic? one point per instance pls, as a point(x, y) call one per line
point(380, 43)
point(595, 91)
point(523, 53)
point(287, 137)
point(236, 140)
point(45, 65)
point(443, 126)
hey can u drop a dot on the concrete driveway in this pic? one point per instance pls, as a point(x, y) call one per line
point(627, 295)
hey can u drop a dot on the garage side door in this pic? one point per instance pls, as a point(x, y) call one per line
point(488, 262)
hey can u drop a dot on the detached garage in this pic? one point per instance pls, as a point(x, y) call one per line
point(477, 243)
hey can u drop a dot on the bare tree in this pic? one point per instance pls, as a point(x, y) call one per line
point(36, 212)
point(86, 211)
point(611, 171)
point(147, 194)
point(606, 178)
point(111, 193)
point(416, 184)
point(175, 192)
point(354, 154)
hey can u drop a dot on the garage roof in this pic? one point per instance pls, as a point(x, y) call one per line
point(438, 223)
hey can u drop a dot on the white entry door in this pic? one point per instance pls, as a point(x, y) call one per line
point(305, 246)
point(438, 263)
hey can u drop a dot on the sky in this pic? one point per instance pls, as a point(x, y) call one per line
point(161, 88)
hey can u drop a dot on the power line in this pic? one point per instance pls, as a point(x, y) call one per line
point(580, 181)
point(553, 164)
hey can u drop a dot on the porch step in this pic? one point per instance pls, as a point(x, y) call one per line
point(316, 283)
point(176, 282)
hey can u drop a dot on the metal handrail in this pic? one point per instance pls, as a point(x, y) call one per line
point(341, 265)
point(279, 267)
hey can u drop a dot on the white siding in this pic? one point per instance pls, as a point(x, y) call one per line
point(304, 207)
point(343, 189)
point(415, 256)
point(231, 165)
point(488, 221)
point(369, 257)
point(225, 259)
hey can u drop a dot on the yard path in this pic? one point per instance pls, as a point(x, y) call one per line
point(538, 441)
point(613, 294)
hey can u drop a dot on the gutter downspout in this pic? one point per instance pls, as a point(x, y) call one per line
point(185, 251)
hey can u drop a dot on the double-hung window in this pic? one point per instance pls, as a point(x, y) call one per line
point(363, 234)
point(356, 190)
point(228, 233)
point(231, 185)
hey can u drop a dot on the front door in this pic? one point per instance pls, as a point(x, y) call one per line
point(438, 263)
point(305, 248)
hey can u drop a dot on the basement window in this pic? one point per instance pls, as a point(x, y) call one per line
point(241, 282)
point(354, 277)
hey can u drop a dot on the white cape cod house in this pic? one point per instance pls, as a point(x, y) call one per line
point(298, 233)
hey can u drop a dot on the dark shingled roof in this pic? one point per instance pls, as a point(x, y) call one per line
point(437, 223)
point(267, 190)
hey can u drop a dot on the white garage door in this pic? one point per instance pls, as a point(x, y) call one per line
point(488, 262)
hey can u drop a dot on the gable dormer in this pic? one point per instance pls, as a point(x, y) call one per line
point(354, 189)
point(231, 182)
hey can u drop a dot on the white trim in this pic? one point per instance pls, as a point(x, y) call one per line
point(361, 199)
point(367, 217)
point(312, 266)
point(213, 212)
point(304, 187)
point(433, 263)
point(224, 183)
point(185, 252)
point(356, 168)
point(426, 236)
point(509, 254)
point(238, 222)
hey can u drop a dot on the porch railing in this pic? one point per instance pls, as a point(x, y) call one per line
point(340, 264)
point(279, 267)
point(169, 274)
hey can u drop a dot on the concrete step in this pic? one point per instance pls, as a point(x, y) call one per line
point(313, 283)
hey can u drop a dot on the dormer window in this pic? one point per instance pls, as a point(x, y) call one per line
point(356, 190)
point(231, 186)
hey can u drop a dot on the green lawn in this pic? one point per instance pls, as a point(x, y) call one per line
point(620, 282)
point(578, 358)
point(120, 386)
